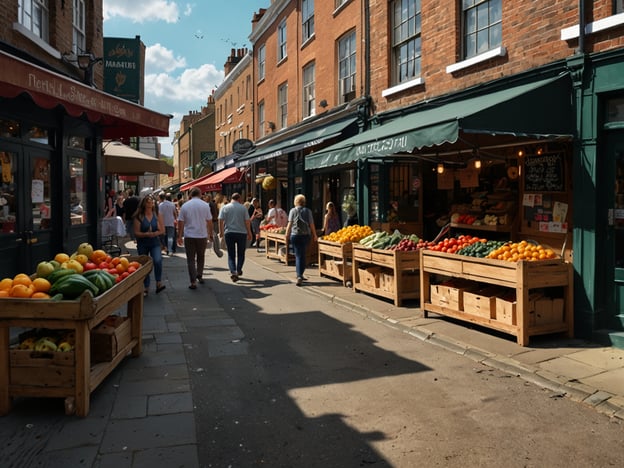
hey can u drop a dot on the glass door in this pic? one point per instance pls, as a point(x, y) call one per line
point(615, 230)
point(25, 209)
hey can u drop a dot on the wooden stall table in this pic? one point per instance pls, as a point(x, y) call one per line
point(392, 274)
point(516, 318)
point(276, 248)
point(334, 260)
point(70, 375)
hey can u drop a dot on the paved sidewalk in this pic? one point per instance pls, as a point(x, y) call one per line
point(583, 371)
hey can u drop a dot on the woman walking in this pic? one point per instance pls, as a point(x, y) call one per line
point(299, 231)
point(148, 227)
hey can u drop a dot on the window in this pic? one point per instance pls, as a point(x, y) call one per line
point(34, 16)
point(309, 96)
point(482, 26)
point(618, 6)
point(261, 120)
point(282, 103)
point(339, 3)
point(346, 68)
point(281, 41)
point(78, 190)
point(406, 40)
point(261, 62)
point(79, 38)
point(307, 19)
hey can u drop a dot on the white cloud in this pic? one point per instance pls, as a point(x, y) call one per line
point(158, 57)
point(192, 85)
point(140, 11)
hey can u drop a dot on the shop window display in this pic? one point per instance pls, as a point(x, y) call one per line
point(78, 191)
point(8, 192)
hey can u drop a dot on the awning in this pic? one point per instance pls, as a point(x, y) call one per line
point(213, 181)
point(542, 109)
point(122, 159)
point(226, 161)
point(117, 117)
point(304, 140)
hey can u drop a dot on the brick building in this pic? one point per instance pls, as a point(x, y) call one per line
point(53, 118)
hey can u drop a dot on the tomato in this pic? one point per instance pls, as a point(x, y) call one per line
point(90, 266)
point(103, 266)
point(118, 278)
point(131, 269)
point(124, 275)
point(120, 268)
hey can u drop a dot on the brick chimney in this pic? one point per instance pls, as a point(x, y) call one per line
point(235, 56)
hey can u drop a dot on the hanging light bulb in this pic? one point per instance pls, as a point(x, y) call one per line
point(477, 164)
point(440, 168)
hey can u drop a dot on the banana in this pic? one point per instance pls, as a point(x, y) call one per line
point(28, 343)
point(64, 347)
point(45, 345)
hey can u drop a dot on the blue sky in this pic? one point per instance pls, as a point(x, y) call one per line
point(187, 45)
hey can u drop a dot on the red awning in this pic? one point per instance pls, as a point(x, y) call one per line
point(117, 117)
point(213, 181)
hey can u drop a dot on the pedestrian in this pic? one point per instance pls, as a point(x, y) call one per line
point(331, 223)
point(195, 227)
point(299, 231)
point(255, 216)
point(130, 205)
point(169, 214)
point(119, 206)
point(276, 215)
point(235, 228)
point(214, 211)
point(148, 227)
point(109, 206)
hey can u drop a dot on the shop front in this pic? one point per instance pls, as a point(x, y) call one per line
point(52, 182)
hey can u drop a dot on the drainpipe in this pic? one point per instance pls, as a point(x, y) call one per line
point(581, 39)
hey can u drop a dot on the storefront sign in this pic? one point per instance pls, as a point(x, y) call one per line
point(122, 68)
point(544, 173)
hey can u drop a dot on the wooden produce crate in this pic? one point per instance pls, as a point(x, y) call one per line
point(522, 277)
point(275, 248)
point(334, 260)
point(68, 375)
point(397, 278)
point(109, 338)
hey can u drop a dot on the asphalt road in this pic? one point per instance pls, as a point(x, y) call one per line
point(282, 378)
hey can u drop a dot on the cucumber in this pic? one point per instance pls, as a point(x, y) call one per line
point(73, 286)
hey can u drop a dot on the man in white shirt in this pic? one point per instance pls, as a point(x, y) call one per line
point(169, 213)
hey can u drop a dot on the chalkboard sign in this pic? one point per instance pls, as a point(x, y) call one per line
point(544, 173)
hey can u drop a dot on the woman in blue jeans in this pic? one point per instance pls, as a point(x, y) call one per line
point(235, 228)
point(299, 232)
point(148, 227)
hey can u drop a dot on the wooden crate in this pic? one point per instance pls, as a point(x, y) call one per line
point(109, 338)
point(42, 369)
point(449, 294)
point(369, 276)
point(334, 260)
point(481, 302)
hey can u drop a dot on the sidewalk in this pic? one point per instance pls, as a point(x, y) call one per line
point(583, 371)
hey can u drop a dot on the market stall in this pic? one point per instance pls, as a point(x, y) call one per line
point(523, 298)
point(100, 344)
point(276, 248)
point(335, 260)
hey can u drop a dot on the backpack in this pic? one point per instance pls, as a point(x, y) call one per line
point(303, 228)
point(281, 218)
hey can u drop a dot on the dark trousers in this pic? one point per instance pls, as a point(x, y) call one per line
point(236, 243)
point(300, 246)
point(195, 256)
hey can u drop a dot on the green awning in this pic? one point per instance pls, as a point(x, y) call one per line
point(540, 109)
point(304, 140)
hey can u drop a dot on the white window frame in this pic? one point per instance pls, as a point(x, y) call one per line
point(406, 40)
point(346, 66)
point(261, 120)
point(261, 62)
point(79, 38)
point(282, 104)
point(282, 52)
point(34, 15)
point(475, 25)
point(307, 20)
point(309, 92)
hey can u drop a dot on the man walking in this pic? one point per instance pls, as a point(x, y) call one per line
point(235, 228)
point(195, 226)
point(169, 214)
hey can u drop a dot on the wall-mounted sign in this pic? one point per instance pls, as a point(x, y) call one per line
point(242, 145)
point(122, 68)
point(207, 157)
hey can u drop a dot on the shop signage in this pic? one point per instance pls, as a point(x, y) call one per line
point(544, 173)
point(207, 157)
point(242, 146)
point(122, 68)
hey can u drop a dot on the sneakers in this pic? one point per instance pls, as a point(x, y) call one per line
point(299, 281)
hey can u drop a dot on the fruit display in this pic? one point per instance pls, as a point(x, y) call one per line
point(352, 233)
point(273, 228)
point(45, 341)
point(395, 241)
point(69, 276)
point(523, 250)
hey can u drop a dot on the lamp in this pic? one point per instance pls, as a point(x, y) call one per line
point(477, 164)
point(323, 104)
point(271, 125)
point(440, 168)
point(85, 62)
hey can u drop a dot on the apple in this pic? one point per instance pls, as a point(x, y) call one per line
point(55, 264)
point(44, 269)
point(74, 265)
point(85, 249)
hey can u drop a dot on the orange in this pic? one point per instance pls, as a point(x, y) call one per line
point(22, 278)
point(98, 256)
point(40, 295)
point(6, 284)
point(41, 285)
point(4, 293)
point(61, 257)
point(120, 268)
point(125, 262)
point(20, 290)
